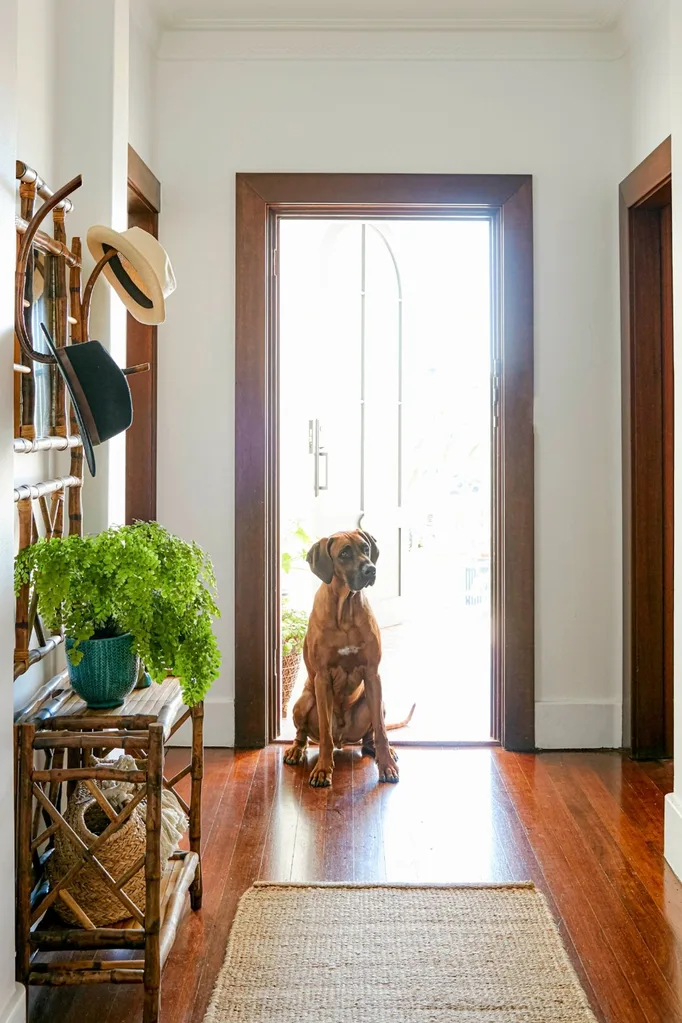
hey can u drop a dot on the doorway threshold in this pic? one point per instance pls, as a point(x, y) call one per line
point(412, 744)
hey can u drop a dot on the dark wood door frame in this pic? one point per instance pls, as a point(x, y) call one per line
point(647, 403)
point(144, 206)
point(262, 199)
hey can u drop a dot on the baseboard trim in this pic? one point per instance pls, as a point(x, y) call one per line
point(569, 724)
point(672, 841)
point(15, 1010)
point(559, 725)
point(218, 724)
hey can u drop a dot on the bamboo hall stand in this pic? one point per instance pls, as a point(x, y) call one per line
point(58, 741)
point(60, 726)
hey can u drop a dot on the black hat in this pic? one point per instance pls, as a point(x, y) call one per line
point(99, 391)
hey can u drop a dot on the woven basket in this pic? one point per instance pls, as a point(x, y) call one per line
point(290, 665)
point(118, 853)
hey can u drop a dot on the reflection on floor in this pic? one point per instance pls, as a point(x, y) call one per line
point(587, 828)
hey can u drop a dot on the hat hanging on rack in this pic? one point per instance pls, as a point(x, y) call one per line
point(99, 392)
point(138, 270)
point(136, 266)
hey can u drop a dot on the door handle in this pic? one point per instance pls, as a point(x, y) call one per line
point(314, 434)
point(323, 454)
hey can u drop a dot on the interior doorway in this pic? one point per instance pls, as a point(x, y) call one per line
point(265, 203)
point(144, 206)
point(648, 455)
point(386, 352)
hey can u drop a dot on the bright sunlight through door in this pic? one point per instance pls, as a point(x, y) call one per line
point(385, 406)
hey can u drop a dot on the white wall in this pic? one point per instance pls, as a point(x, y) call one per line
point(673, 809)
point(144, 40)
point(561, 120)
point(36, 63)
point(654, 32)
point(647, 28)
point(94, 45)
point(11, 994)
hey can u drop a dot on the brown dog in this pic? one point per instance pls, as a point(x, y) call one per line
point(341, 700)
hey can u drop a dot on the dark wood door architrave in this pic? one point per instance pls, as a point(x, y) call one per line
point(261, 200)
point(144, 206)
point(647, 403)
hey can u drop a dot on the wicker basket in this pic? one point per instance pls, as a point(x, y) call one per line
point(119, 852)
point(125, 846)
point(290, 665)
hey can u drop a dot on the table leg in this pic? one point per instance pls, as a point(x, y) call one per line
point(196, 889)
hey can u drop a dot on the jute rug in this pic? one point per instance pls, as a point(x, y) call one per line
point(396, 954)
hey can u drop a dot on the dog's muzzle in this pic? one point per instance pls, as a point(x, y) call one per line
point(365, 576)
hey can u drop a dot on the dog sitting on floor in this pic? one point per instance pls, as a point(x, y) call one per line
point(342, 700)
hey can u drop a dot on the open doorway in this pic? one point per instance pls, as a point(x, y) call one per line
point(265, 203)
point(386, 401)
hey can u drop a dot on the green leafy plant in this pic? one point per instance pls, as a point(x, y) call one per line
point(296, 545)
point(139, 579)
point(294, 627)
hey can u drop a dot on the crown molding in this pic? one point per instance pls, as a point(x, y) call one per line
point(403, 45)
point(361, 23)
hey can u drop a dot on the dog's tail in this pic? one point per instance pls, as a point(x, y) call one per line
point(402, 724)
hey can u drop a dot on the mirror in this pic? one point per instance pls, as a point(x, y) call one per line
point(39, 307)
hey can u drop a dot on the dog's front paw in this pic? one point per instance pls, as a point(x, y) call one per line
point(388, 770)
point(294, 755)
point(321, 776)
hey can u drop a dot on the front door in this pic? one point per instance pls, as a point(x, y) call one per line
point(281, 464)
point(341, 394)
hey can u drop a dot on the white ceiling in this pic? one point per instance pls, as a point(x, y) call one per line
point(456, 14)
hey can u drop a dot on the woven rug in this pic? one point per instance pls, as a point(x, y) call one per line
point(396, 954)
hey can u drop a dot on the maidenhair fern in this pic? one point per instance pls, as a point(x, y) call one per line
point(139, 579)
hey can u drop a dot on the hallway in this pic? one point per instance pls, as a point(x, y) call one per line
point(585, 827)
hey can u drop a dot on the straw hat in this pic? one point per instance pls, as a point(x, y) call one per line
point(141, 273)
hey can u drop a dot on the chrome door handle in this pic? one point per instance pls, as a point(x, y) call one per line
point(323, 454)
point(318, 452)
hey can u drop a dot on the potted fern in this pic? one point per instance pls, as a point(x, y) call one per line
point(128, 595)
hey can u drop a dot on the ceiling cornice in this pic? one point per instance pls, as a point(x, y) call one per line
point(225, 23)
point(260, 44)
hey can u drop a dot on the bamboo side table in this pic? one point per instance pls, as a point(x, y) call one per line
point(61, 727)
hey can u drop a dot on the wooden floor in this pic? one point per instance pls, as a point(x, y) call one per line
point(587, 828)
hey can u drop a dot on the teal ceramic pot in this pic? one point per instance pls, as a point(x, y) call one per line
point(108, 672)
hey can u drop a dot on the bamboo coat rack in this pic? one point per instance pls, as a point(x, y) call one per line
point(49, 284)
point(57, 726)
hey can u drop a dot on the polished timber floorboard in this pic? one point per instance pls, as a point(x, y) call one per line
point(587, 828)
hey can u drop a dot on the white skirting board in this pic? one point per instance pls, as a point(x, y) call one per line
point(564, 724)
point(672, 843)
point(15, 1010)
point(218, 724)
point(559, 724)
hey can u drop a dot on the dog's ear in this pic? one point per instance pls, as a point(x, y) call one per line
point(373, 549)
point(320, 560)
